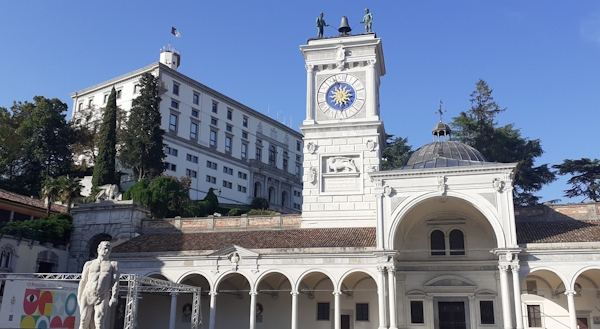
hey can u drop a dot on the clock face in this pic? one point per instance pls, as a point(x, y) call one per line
point(341, 96)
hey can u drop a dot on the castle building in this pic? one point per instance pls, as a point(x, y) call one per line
point(435, 244)
point(217, 141)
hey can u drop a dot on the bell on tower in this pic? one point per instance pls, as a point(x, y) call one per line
point(170, 57)
point(344, 28)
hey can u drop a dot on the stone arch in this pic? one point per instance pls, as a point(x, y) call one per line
point(353, 271)
point(157, 275)
point(580, 272)
point(225, 274)
point(258, 190)
point(272, 196)
point(268, 272)
point(189, 274)
point(477, 202)
point(93, 243)
point(561, 276)
point(314, 271)
point(285, 199)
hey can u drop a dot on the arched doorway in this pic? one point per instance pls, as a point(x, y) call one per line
point(315, 299)
point(258, 190)
point(274, 301)
point(233, 294)
point(359, 300)
point(443, 246)
point(543, 300)
point(94, 242)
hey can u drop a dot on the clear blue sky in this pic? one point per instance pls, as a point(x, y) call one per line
point(542, 58)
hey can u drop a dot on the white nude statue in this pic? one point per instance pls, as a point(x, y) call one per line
point(98, 289)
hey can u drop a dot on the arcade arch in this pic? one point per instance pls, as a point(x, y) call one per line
point(446, 228)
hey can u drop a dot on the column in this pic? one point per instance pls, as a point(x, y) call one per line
point(572, 311)
point(310, 92)
point(336, 312)
point(517, 295)
point(506, 311)
point(294, 309)
point(380, 221)
point(173, 313)
point(371, 89)
point(213, 309)
point(392, 294)
point(253, 309)
point(472, 311)
point(381, 296)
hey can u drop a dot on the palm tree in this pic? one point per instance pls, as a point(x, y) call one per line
point(50, 191)
point(70, 189)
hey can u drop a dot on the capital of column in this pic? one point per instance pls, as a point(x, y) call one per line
point(294, 293)
point(309, 67)
point(253, 293)
point(381, 269)
point(213, 293)
point(570, 292)
point(391, 269)
point(174, 294)
point(503, 268)
point(515, 268)
point(337, 293)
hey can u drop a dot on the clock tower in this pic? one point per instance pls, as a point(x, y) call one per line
point(343, 134)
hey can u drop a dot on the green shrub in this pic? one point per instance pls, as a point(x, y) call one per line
point(55, 229)
point(165, 196)
point(259, 203)
point(212, 201)
point(196, 209)
point(236, 212)
point(261, 212)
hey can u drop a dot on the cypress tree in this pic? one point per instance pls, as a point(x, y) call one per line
point(142, 147)
point(104, 168)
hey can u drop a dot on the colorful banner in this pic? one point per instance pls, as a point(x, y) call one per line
point(39, 304)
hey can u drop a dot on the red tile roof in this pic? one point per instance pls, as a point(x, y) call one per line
point(260, 239)
point(558, 231)
point(29, 201)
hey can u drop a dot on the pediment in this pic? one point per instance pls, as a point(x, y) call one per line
point(450, 283)
point(241, 251)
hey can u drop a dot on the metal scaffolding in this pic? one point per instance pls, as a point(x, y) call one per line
point(135, 284)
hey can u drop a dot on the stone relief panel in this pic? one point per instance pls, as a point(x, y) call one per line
point(341, 174)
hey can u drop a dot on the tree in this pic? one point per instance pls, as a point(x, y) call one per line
point(104, 166)
point(70, 189)
point(142, 147)
point(44, 140)
point(10, 149)
point(51, 190)
point(478, 128)
point(396, 151)
point(585, 178)
point(165, 196)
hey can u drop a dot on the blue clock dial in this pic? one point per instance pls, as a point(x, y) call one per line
point(340, 96)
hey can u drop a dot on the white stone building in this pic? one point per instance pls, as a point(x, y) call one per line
point(436, 243)
point(217, 141)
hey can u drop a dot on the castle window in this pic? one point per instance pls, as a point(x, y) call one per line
point(416, 312)
point(457, 243)
point(452, 244)
point(323, 311)
point(437, 243)
point(486, 309)
point(362, 312)
point(272, 153)
point(534, 316)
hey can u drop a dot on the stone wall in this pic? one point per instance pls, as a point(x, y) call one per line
point(550, 212)
point(212, 223)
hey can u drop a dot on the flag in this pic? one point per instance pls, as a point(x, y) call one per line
point(175, 32)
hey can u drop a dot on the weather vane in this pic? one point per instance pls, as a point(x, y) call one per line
point(440, 111)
